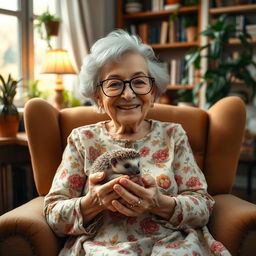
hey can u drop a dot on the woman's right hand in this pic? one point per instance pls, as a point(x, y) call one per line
point(99, 196)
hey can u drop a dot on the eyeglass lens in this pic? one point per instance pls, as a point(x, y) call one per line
point(114, 87)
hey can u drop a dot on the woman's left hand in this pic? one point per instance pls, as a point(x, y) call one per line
point(136, 199)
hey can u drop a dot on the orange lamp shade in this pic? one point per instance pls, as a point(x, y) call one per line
point(57, 62)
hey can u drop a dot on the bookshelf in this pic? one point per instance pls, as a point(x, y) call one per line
point(206, 12)
point(170, 43)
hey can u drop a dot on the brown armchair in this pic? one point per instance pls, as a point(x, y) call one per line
point(215, 136)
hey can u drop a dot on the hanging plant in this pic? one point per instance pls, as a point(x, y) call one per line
point(47, 26)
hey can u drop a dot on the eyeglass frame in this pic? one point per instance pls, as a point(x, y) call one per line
point(152, 79)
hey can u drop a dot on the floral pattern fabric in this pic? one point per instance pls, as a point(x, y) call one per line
point(167, 156)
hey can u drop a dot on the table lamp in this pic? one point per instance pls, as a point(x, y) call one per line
point(58, 62)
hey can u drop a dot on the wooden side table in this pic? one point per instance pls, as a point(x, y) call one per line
point(16, 181)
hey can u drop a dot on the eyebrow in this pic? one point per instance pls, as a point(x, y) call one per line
point(133, 75)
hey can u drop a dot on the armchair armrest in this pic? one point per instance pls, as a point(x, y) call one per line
point(24, 231)
point(233, 220)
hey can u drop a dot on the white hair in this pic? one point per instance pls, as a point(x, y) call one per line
point(112, 48)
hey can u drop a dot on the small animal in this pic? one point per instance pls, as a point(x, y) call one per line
point(117, 163)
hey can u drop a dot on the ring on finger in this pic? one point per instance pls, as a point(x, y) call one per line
point(136, 204)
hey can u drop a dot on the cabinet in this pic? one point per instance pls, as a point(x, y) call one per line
point(165, 31)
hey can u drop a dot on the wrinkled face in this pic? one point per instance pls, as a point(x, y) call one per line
point(127, 108)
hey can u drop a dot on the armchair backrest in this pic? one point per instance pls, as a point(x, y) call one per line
point(215, 137)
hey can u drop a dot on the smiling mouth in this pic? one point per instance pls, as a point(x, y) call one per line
point(128, 107)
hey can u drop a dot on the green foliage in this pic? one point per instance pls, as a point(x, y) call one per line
point(223, 69)
point(7, 93)
point(190, 20)
point(189, 2)
point(41, 26)
point(185, 95)
point(32, 90)
point(7, 90)
point(70, 100)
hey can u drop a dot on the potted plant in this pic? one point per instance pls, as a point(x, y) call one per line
point(9, 115)
point(224, 69)
point(185, 97)
point(190, 26)
point(32, 89)
point(47, 26)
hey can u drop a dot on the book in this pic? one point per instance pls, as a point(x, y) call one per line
point(173, 71)
point(164, 30)
point(143, 32)
point(172, 31)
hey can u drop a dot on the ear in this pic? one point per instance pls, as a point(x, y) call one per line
point(113, 162)
point(98, 98)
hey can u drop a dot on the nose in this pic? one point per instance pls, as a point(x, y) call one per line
point(128, 93)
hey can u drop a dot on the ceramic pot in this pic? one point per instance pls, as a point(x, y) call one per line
point(52, 28)
point(191, 34)
point(9, 123)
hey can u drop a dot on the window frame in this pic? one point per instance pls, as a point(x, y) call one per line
point(24, 15)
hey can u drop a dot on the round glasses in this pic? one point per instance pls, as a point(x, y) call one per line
point(140, 85)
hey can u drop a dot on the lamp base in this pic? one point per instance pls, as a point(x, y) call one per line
point(58, 99)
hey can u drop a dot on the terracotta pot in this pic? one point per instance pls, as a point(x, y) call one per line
point(191, 34)
point(172, 1)
point(52, 28)
point(9, 125)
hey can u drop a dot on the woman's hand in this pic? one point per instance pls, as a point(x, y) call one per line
point(99, 197)
point(136, 199)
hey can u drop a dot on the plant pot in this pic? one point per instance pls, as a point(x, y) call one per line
point(191, 33)
point(9, 125)
point(9, 120)
point(172, 2)
point(218, 3)
point(52, 28)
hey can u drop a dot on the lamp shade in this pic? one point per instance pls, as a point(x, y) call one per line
point(57, 62)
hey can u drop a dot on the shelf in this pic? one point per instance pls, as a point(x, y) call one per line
point(236, 41)
point(180, 86)
point(234, 9)
point(157, 14)
point(174, 45)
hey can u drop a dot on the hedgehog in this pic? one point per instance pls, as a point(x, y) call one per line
point(119, 162)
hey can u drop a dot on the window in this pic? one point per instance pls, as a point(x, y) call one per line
point(10, 57)
point(21, 49)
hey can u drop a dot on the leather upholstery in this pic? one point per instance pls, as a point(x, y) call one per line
point(215, 137)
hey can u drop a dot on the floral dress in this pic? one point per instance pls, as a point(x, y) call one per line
point(166, 155)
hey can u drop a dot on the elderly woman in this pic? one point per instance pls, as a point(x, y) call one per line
point(164, 216)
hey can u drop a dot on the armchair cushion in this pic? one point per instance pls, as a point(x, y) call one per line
point(24, 231)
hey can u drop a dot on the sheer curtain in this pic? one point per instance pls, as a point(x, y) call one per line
point(83, 22)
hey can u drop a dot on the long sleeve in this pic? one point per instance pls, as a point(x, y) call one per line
point(193, 203)
point(62, 204)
